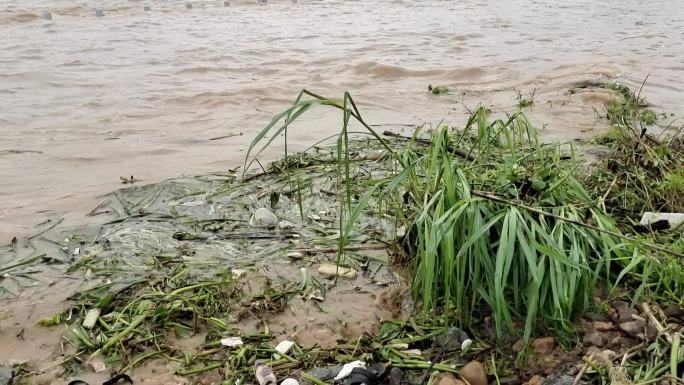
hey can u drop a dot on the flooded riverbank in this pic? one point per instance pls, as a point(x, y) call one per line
point(87, 99)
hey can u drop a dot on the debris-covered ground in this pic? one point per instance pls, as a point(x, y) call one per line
point(450, 256)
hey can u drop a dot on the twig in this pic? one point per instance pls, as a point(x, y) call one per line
point(226, 136)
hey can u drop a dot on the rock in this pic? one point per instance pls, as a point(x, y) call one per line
point(544, 345)
point(264, 374)
point(535, 380)
point(295, 255)
point(6, 375)
point(286, 225)
point(325, 374)
point(264, 217)
point(633, 328)
point(398, 377)
point(512, 380)
point(603, 326)
point(453, 339)
point(329, 270)
point(651, 331)
point(563, 379)
point(347, 369)
point(448, 379)
point(518, 346)
point(595, 338)
point(289, 381)
point(674, 219)
point(474, 373)
point(283, 347)
point(674, 311)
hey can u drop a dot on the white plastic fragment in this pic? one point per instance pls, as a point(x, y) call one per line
point(347, 369)
point(231, 342)
point(675, 219)
point(283, 347)
point(264, 374)
point(289, 381)
point(330, 270)
point(91, 317)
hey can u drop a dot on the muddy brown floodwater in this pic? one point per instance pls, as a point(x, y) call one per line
point(85, 99)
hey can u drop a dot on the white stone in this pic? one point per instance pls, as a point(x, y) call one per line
point(675, 219)
point(231, 342)
point(347, 369)
point(264, 217)
point(283, 347)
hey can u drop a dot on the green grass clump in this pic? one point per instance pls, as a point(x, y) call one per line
point(497, 222)
point(438, 90)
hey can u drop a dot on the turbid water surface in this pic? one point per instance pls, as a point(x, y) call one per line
point(85, 99)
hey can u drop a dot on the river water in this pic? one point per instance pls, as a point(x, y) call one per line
point(85, 99)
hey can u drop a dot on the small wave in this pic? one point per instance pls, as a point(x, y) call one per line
point(385, 71)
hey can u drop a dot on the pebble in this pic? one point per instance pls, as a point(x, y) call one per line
point(535, 380)
point(449, 379)
point(264, 217)
point(633, 328)
point(518, 346)
point(286, 225)
point(563, 379)
point(544, 345)
point(674, 311)
point(603, 326)
point(347, 369)
point(474, 373)
point(325, 374)
point(329, 270)
point(6, 375)
point(512, 380)
point(595, 338)
point(289, 381)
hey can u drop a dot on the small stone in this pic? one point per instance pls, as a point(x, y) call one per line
point(286, 225)
point(289, 381)
point(295, 255)
point(651, 331)
point(633, 328)
point(563, 379)
point(264, 374)
point(325, 374)
point(595, 338)
point(518, 346)
point(6, 375)
point(512, 380)
point(283, 347)
point(674, 311)
point(474, 373)
point(347, 369)
point(535, 380)
point(263, 217)
point(98, 364)
point(544, 345)
point(449, 379)
point(398, 377)
point(603, 326)
point(329, 270)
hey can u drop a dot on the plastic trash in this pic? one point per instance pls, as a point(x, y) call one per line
point(264, 374)
point(231, 342)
